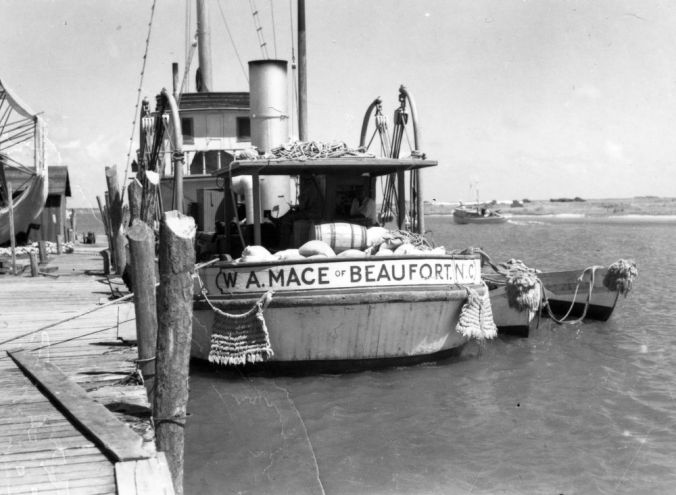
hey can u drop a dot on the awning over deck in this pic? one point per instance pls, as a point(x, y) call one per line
point(347, 166)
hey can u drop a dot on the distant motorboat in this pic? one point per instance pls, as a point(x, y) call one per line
point(477, 214)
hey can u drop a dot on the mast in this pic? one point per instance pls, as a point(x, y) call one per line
point(302, 74)
point(204, 48)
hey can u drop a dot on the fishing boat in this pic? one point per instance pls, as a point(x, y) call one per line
point(520, 296)
point(22, 165)
point(480, 214)
point(299, 276)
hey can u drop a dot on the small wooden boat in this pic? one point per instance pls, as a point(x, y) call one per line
point(477, 214)
point(565, 296)
point(574, 294)
point(22, 165)
point(509, 320)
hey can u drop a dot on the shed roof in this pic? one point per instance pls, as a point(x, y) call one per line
point(59, 181)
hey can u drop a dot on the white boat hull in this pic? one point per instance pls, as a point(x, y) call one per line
point(363, 326)
point(370, 321)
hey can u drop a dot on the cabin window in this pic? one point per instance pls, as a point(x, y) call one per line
point(188, 131)
point(243, 129)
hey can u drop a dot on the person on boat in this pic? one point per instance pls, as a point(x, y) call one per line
point(364, 207)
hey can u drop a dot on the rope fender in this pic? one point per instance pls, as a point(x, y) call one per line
point(620, 276)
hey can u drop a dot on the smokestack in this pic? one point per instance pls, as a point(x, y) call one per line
point(268, 107)
point(268, 110)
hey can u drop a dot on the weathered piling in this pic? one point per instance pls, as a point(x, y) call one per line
point(149, 205)
point(142, 263)
point(174, 316)
point(35, 271)
point(116, 215)
point(42, 250)
point(106, 225)
point(12, 235)
point(135, 196)
point(59, 243)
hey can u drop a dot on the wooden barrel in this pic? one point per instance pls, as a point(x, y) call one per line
point(342, 236)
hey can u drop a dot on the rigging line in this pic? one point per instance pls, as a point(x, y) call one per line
point(259, 29)
point(16, 139)
point(293, 65)
point(5, 116)
point(138, 95)
point(186, 72)
point(274, 29)
point(18, 165)
point(232, 40)
point(21, 122)
point(188, 25)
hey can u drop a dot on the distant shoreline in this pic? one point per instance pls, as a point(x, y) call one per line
point(587, 209)
point(640, 209)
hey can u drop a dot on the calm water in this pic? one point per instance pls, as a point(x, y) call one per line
point(580, 409)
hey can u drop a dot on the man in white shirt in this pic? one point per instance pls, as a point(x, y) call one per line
point(364, 207)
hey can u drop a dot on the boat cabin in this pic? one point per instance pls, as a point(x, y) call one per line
point(327, 188)
point(214, 126)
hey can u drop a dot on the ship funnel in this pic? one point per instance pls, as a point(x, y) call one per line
point(269, 105)
point(270, 126)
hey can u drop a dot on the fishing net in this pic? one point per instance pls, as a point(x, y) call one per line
point(241, 339)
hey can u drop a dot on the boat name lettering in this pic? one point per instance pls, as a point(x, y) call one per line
point(346, 274)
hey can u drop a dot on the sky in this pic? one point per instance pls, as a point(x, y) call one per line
point(515, 98)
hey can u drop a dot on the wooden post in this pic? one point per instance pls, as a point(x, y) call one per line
point(59, 243)
point(135, 196)
point(12, 234)
point(256, 208)
point(116, 219)
point(106, 223)
point(42, 249)
point(142, 264)
point(105, 254)
point(174, 334)
point(149, 206)
point(35, 271)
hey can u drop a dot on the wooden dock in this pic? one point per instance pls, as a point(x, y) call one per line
point(74, 417)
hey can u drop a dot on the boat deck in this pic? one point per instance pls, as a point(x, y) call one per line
point(73, 417)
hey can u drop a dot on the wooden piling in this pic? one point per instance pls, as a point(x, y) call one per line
point(174, 334)
point(149, 206)
point(116, 215)
point(59, 243)
point(35, 271)
point(135, 196)
point(142, 263)
point(106, 225)
point(42, 249)
point(12, 234)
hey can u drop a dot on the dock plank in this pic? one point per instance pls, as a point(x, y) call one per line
point(41, 451)
point(113, 437)
point(144, 477)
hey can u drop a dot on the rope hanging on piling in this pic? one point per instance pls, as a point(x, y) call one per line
point(620, 276)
